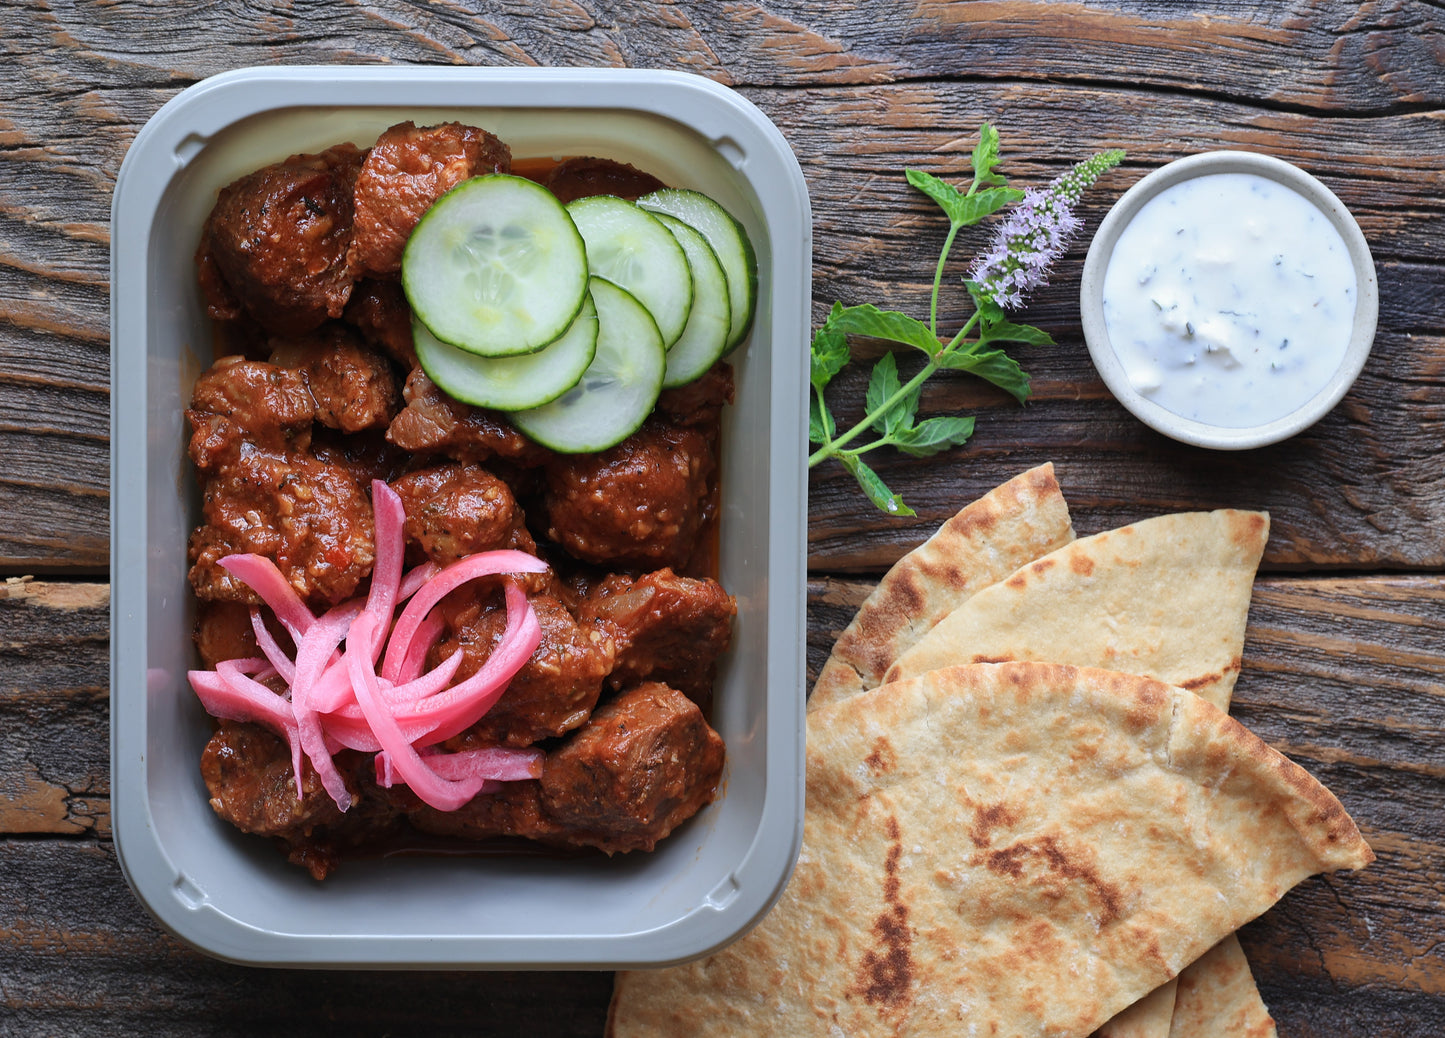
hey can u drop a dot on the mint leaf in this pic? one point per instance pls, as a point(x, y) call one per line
point(994, 366)
point(933, 435)
point(829, 355)
point(884, 324)
point(989, 312)
point(942, 192)
point(1007, 331)
point(986, 157)
point(883, 498)
point(882, 384)
point(963, 209)
point(976, 206)
point(820, 421)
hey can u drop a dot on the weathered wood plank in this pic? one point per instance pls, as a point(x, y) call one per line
point(80, 957)
point(54, 709)
point(1359, 494)
point(1325, 55)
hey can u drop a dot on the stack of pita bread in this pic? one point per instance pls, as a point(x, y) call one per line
point(1028, 812)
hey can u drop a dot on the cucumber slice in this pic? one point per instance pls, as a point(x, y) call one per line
point(510, 383)
point(496, 267)
point(619, 388)
point(705, 338)
point(633, 250)
point(728, 240)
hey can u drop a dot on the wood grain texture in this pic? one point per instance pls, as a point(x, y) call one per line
point(1349, 91)
point(80, 956)
point(54, 709)
point(1345, 668)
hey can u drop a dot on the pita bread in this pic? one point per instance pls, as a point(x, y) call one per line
point(1217, 996)
point(1150, 1017)
point(984, 849)
point(985, 542)
point(1166, 598)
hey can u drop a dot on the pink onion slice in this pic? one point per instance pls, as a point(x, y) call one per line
point(263, 577)
point(428, 633)
point(442, 794)
point(390, 527)
point(439, 717)
point(230, 693)
point(483, 564)
point(271, 648)
point(332, 690)
point(312, 654)
point(493, 764)
point(415, 579)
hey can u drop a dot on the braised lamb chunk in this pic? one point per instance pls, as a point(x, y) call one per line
point(408, 169)
point(366, 455)
point(223, 632)
point(700, 402)
point(666, 628)
point(275, 245)
point(246, 401)
point(585, 176)
point(379, 310)
point(312, 518)
point(434, 423)
point(555, 690)
point(454, 510)
point(352, 384)
point(640, 504)
point(249, 773)
point(251, 779)
point(645, 763)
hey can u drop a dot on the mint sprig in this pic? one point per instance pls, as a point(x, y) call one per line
point(891, 404)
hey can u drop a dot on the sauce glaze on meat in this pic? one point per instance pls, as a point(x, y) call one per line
point(298, 265)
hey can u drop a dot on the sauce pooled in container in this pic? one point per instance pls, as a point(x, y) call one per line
point(1230, 299)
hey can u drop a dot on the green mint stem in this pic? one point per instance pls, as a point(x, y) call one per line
point(938, 278)
point(836, 445)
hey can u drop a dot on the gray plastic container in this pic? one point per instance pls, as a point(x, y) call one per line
point(233, 895)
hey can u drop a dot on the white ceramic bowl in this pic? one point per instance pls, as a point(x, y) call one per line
point(1106, 359)
point(233, 895)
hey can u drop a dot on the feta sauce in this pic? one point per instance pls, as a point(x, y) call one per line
point(1229, 299)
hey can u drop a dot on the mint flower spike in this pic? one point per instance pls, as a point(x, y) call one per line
point(1035, 233)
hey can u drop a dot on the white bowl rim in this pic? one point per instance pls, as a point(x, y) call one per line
point(1096, 334)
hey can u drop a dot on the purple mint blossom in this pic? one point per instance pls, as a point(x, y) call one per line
point(1035, 233)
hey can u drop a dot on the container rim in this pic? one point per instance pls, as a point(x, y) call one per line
point(757, 151)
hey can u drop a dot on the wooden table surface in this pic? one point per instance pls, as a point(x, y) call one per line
point(1345, 657)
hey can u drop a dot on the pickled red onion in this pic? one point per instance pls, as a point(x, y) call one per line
point(312, 654)
point(271, 648)
point(486, 564)
point(442, 794)
point(493, 764)
point(230, 693)
point(261, 575)
point(336, 698)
